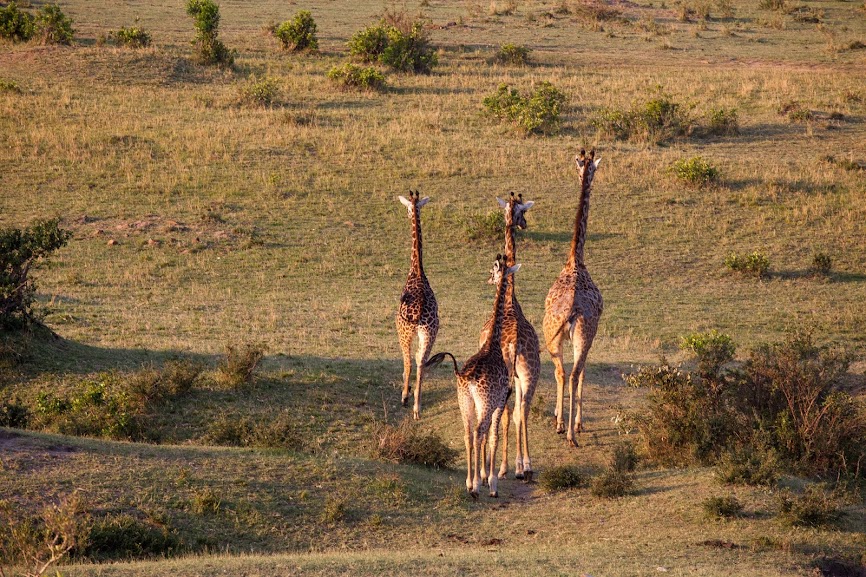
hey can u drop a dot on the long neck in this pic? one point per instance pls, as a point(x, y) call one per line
point(510, 253)
point(494, 338)
point(417, 268)
point(579, 240)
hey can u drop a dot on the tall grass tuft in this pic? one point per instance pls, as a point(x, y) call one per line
point(407, 443)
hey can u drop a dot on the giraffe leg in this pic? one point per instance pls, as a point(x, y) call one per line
point(503, 468)
point(575, 386)
point(406, 347)
point(425, 345)
point(467, 439)
point(524, 425)
point(476, 458)
point(493, 434)
point(518, 417)
point(484, 457)
point(555, 349)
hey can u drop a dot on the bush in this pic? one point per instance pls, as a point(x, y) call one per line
point(722, 507)
point(536, 113)
point(695, 171)
point(51, 26)
point(406, 443)
point(404, 46)
point(750, 464)
point(723, 122)
point(658, 120)
point(352, 76)
point(821, 263)
point(209, 48)
point(259, 92)
point(713, 349)
point(816, 507)
point(10, 86)
point(133, 37)
point(368, 44)
point(270, 432)
point(513, 54)
point(122, 536)
point(299, 33)
point(14, 413)
point(15, 24)
point(612, 484)
point(238, 365)
point(624, 458)
point(755, 264)
point(20, 252)
point(560, 478)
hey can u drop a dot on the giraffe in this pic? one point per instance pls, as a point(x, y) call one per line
point(519, 348)
point(573, 307)
point(418, 313)
point(483, 391)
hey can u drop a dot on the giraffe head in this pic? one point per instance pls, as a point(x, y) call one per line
point(501, 270)
point(516, 208)
point(586, 166)
point(414, 203)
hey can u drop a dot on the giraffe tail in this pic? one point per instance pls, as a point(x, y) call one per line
point(437, 359)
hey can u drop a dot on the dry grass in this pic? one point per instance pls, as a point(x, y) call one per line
point(280, 225)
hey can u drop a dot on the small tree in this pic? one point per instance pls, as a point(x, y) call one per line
point(210, 48)
point(20, 251)
point(52, 26)
point(15, 24)
point(299, 33)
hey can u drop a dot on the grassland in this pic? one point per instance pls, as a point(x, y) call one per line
point(280, 225)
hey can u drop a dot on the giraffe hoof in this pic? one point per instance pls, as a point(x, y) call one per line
point(527, 476)
point(494, 494)
point(474, 495)
point(518, 475)
point(502, 474)
point(573, 443)
point(405, 401)
point(560, 429)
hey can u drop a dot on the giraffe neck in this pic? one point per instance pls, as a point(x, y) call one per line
point(510, 252)
point(417, 268)
point(494, 339)
point(578, 241)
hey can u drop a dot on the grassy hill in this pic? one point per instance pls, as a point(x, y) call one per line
point(201, 220)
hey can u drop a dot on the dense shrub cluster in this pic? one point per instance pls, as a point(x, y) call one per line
point(299, 33)
point(783, 403)
point(403, 45)
point(259, 92)
point(513, 54)
point(48, 26)
point(132, 37)
point(210, 49)
point(537, 112)
point(658, 120)
point(755, 264)
point(695, 171)
point(815, 507)
point(15, 24)
point(561, 477)
point(407, 443)
point(238, 365)
point(723, 121)
point(722, 507)
point(361, 77)
point(21, 250)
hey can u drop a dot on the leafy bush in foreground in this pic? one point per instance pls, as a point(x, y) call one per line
point(513, 54)
point(657, 120)
point(537, 112)
point(353, 76)
point(403, 46)
point(132, 37)
point(299, 33)
point(695, 171)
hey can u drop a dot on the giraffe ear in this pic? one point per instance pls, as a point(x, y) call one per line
point(597, 161)
point(502, 203)
point(423, 201)
point(513, 269)
point(527, 205)
point(407, 203)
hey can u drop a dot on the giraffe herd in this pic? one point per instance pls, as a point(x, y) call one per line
point(508, 360)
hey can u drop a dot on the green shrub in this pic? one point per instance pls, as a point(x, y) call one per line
point(209, 48)
point(612, 484)
point(10, 86)
point(406, 443)
point(132, 37)
point(695, 171)
point(122, 536)
point(368, 44)
point(238, 365)
point(722, 507)
point(13, 413)
point(755, 264)
point(513, 54)
point(713, 349)
point(352, 76)
point(815, 507)
point(749, 464)
point(52, 26)
point(299, 33)
point(537, 112)
point(658, 120)
point(624, 458)
point(822, 264)
point(723, 122)
point(15, 24)
point(489, 226)
point(259, 92)
point(560, 478)
point(21, 251)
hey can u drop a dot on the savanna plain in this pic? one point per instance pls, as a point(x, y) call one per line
point(208, 225)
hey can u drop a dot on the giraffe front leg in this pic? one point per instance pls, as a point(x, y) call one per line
point(405, 347)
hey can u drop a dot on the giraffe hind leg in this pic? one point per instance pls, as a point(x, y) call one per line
point(406, 348)
point(425, 345)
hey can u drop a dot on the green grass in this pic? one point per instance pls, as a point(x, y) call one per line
point(280, 225)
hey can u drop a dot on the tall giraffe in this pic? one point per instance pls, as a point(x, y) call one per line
point(418, 313)
point(519, 347)
point(483, 391)
point(573, 307)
